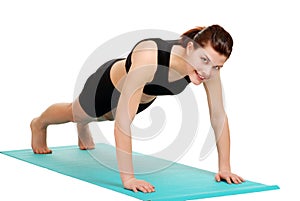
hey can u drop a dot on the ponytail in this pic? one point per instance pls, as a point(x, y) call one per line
point(189, 35)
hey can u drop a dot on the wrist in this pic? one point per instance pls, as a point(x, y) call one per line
point(224, 168)
point(126, 177)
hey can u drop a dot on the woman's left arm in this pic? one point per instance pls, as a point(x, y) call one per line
point(219, 122)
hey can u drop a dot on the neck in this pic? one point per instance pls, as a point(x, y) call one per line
point(178, 60)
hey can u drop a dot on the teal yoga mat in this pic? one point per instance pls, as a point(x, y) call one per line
point(176, 182)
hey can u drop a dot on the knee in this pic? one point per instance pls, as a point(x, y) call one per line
point(78, 115)
point(75, 116)
point(69, 109)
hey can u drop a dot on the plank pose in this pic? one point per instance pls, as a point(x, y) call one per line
point(123, 87)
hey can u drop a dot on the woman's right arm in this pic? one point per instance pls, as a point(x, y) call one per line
point(141, 72)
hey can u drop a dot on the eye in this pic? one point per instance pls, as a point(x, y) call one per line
point(217, 67)
point(205, 60)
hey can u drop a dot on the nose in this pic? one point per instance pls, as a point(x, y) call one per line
point(207, 72)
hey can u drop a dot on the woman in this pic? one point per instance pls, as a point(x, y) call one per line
point(121, 88)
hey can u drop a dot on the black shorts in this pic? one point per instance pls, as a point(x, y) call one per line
point(99, 96)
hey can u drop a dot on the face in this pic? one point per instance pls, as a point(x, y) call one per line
point(204, 63)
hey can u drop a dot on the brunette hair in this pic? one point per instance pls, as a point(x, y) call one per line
point(214, 35)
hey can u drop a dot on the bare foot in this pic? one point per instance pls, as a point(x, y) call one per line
point(85, 139)
point(38, 138)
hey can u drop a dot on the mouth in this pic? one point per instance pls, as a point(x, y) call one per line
point(200, 76)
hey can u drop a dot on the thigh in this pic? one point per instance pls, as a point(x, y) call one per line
point(109, 116)
point(79, 115)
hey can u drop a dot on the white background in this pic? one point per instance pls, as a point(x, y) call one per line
point(44, 44)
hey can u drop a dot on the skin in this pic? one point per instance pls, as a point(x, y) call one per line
point(201, 64)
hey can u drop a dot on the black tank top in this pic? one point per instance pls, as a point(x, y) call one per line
point(160, 84)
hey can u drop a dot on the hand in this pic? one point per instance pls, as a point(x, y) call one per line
point(138, 185)
point(228, 177)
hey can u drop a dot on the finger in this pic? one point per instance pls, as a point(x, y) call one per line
point(228, 180)
point(217, 177)
point(147, 187)
point(134, 189)
point(235, 180)
point(143, 189)
point(242, 179)
point(151, 188)
point(238, 180)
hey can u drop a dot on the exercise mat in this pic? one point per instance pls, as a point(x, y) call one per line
point(176, 182)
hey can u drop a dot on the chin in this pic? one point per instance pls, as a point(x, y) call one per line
point(195, 80)
point(197, 83)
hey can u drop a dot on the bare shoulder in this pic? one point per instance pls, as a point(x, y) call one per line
point(144, 57)
point(146, 45)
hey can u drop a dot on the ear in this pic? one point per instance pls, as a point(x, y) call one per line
point(189, 48)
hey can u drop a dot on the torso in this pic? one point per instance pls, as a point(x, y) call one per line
point(118, 73)
point(99, 97)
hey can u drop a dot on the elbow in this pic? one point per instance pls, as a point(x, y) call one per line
point(122, 127)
